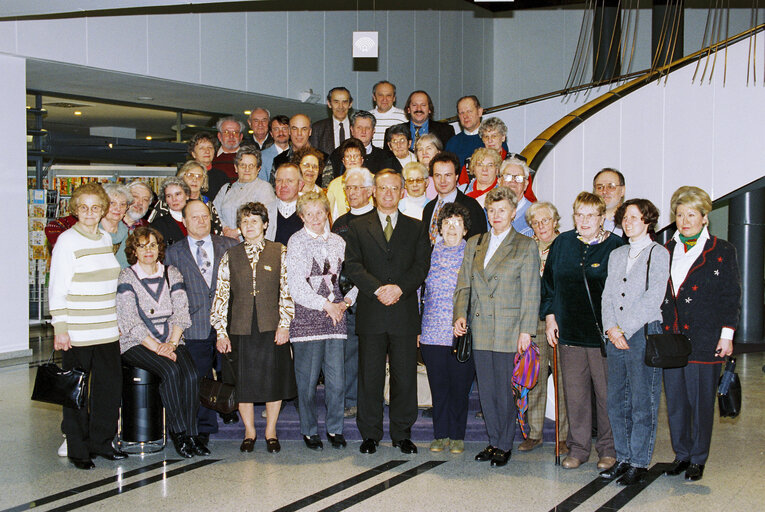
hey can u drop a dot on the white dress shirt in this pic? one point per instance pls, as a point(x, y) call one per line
point(207, 246)
point(336, 130)
point(494, 243)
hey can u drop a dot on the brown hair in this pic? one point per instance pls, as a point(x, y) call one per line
point(648, 212)
point(89, 189)
point(144, 233)
point(590, 199)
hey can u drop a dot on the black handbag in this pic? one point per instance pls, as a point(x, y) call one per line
point(62, 387)
point(665, 350)
point(729, 391)
point(462, 346)
point(218, 395)
point(603, 337)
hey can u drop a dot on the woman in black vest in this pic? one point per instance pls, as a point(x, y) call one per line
point(253, 306)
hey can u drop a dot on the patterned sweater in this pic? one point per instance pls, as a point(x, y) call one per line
point(83, 286)
point(445, 263)
point(313, 269)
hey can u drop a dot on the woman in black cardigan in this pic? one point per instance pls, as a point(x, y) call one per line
point(703, 302)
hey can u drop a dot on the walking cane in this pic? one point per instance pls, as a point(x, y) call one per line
point(555, 387)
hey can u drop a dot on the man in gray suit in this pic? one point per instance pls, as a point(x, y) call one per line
point(197, 258)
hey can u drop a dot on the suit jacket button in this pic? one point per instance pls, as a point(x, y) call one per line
point(625, 279)
point(622, 294)
point(478, 314)
point(621, 308)
point(491, 296)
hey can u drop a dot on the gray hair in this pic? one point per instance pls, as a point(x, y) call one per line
point(248, 149)
point(414, 166)
point(430, 138)
point(534, 208)
point(363, 114)
point(498, 194)
point(118, 189)
point(268, 112)
point(173, 180)
point(492, 123)
point(226, 119)
point(515, 161)
point(139, 183)
point(367, 177)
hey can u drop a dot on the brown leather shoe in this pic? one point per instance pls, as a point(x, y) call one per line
point(606, 462)
point(563, 448)
point(571, 463)
point(529, 444)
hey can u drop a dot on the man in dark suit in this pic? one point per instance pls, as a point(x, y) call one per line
point(443, 168)
point(197, 257)
point(327, 134)
point(419, 111)
point(362, 128)
point(175, 192)
point(386, 257)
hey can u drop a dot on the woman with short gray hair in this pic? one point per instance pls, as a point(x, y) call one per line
point(120, 200)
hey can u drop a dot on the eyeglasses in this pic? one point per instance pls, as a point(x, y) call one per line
point(541, 222)
point(231, 132)
point(352, 157)
point(306, 165)
point(247, 167)
point(388, 188)
point(587, 216)
point(454, 222)
point(147, 245)
point(491, 136)
point(83, 209)
point(193, 176)
point(415, 181)
point(610, 187)
point(509, 178)
point(354, 188)
point(399, 141)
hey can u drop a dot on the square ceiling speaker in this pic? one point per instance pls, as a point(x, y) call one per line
point(365, 45)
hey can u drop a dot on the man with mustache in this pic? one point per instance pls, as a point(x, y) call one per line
point(419, 111)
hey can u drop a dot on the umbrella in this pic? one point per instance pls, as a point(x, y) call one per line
point(525, 374)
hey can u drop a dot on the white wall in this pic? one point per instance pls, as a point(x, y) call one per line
point(14, 341)
point(666, 135)
point(446, 52)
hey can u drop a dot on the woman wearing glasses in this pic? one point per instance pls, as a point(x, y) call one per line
point(484, 165)
point(81, 294)
point(415, 181)
point(309, 160)
point(572, 286)
point(196, 177)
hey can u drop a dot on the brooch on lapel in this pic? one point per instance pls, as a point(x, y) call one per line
point(267, 267)
point(595, 265)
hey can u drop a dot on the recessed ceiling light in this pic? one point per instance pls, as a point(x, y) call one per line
point(77, 113)
point(145, 98)
point(247, 112)
point(148, 137)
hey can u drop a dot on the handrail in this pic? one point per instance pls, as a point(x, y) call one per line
point(536, 151)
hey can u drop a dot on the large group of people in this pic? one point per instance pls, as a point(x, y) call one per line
point(310, 250)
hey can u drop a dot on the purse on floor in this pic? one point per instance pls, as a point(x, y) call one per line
point(665, 350)
point(62, 387)
point(729, 391)
point(218, 395)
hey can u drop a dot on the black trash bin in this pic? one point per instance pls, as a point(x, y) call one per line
point(142, 417)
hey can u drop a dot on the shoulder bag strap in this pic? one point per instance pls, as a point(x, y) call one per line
point(592, 306)
point(647, 271)
point(674, 292)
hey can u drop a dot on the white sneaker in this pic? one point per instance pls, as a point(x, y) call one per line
point(62, 449)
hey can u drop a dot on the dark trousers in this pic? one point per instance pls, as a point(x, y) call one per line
point(94, 432)
point(179, 386)
point(494, 371)
point(690, 393)
point(585, 370)
point(402, 353)
point(351, 359)
point(203, 353)
point(449, 382)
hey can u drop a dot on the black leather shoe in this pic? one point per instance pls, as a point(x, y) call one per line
point(112, 455)
point(273, 446)
point(313, 442)
point(678, 466)
point(632, 476)
point(485, 454)
point(369, 446)
point(204, 437)
point(499, 458)
point(247, 445)
point(182, 444)
point(198, 446)
point(615, 471)
point(694, 472)
point(82, 463)
point(336, 440)
point(229, 418)
point(406, 446)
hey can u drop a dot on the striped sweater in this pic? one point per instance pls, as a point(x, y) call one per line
point(83, 287)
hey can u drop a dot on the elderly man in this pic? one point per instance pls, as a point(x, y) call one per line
point(259, 120)
point(230, 133)
point(198, 261)
point(386, 257)
point(289, 181)
point(386, 113)
point(419, 111)
point(514, 174)
point(327, 134)
point(175, 192)
point(136, 213)
point(375, 159)
point(280, 133)
point(300, 137)
point(609, 184)
point(359, 185)
point(443, 168)
point(464, 143)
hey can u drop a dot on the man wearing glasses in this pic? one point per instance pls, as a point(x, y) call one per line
point(386, 257)
point(609, 184)
point(230, 133)
point(514, 174)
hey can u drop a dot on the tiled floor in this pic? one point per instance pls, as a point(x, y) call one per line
point(31, 475)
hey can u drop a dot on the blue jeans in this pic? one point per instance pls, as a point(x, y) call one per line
point(310, 358)
point(634, 392)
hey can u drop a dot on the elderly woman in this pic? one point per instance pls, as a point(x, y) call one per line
point(83, 283)
point(449, 379)
point(484, 164)
point(318, 331)
point(502, 264)
point(119, 201)
point(631, 306)
point(608, 183)
point(398, 139)
point(309, 160)
point(248, 188)
point(353, 157)
point(174, 194)
point(572, 286)
point(703, 302)
point(152, 312)
point(427, 147)
point(202, 147)
point(415, 181)
point(544, 220)
point(251, 313)
point(196, 178)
